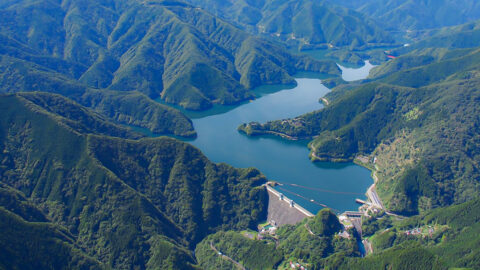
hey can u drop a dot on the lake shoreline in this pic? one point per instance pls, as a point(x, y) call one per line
point(284, 160)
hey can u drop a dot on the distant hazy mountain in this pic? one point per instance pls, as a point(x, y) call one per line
point(304, 23)
point(453, 37)
point(417, 14)
point(163, 49)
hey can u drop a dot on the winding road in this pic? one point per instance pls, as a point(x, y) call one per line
point(225, 257)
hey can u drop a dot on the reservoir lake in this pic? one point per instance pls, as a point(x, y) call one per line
point(353, 74)
point(315, 185)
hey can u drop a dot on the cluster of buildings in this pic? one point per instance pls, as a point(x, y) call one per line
point(269, 229)
point(297, 266)
point(419, 231)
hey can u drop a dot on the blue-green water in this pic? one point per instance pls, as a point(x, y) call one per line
point(332, 184)
point(353, 74)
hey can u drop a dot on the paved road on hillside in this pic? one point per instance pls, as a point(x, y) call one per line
point(225, 257)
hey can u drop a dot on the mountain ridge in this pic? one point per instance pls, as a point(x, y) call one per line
point(304, 24)
point(99, 187)
point(162, 49)
point(412, 122)
point(417, 15)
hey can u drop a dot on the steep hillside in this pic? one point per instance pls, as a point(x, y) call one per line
point(455, 37)
point(128, 108)
point(30, 241)
point(425, 67)
point(73, 115)
point(444, 238)
point(450, 234)
point(38, 245)
point(419, 124)
point(313, 242)
point(164, 49)
point(400, 257)
point(438, 42)
point(126, 202)
point(434, 57)
point(457, 44)
point(307, 24)
point(417, 14)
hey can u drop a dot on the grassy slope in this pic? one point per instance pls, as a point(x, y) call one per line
point(107, 201)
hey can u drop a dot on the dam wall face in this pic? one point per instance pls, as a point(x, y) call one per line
point(283, 210)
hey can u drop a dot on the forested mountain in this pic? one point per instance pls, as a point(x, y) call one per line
point(163, 49)
point(68, 185)
point(81, 189)
point(454, 37)
point(313, 241)
point(417, 14)
point(33, 244)
point(419, 121)
point(458, 44)
point(129, 108)
point(444, 238)
point(305, 24)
